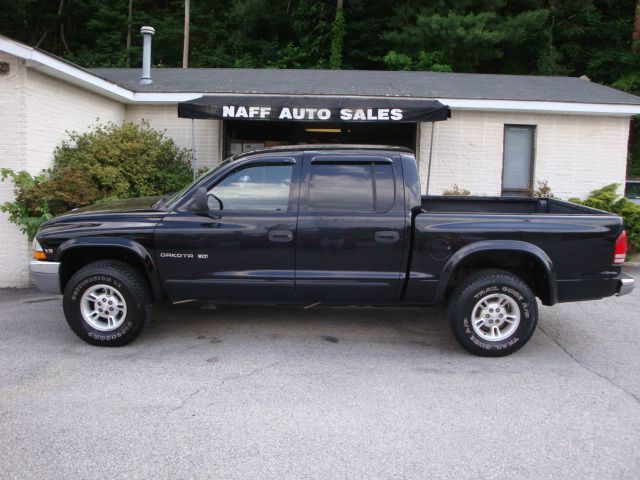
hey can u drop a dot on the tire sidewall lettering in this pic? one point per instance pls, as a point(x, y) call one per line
point(83, 284)
point(114, 336)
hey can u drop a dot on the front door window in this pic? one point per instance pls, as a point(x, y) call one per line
point(257, 188)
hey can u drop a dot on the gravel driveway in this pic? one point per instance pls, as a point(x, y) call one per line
point(275, 393)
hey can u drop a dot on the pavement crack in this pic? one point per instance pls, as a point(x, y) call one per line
point(250, 373)
point(238, 376)
point(40, 300)
point(588, 369)
point(184, 402)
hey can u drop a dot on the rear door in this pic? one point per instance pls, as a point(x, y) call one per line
point(351, 226)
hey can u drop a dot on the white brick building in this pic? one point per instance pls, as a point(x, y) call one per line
point(504, 134)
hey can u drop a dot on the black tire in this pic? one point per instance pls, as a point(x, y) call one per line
point(126, 285)
point(495, 287)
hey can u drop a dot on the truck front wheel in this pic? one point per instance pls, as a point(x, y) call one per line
point(107, 303)
point(493, 313)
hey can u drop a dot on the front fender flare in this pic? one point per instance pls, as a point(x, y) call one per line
point(127, 244)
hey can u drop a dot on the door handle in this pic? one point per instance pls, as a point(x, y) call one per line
point(280, 236)
point(387, 237)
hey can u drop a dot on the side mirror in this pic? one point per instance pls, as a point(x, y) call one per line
point(199, 202)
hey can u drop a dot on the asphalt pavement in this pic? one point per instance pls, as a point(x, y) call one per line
point(327, 393)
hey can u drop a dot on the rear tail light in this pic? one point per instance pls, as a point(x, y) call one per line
point(620, 250)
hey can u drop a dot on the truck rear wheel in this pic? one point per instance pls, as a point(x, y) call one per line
point(107, 303)
point(493, 313)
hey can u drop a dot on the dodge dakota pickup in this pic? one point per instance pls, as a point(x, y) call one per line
point(337, 225)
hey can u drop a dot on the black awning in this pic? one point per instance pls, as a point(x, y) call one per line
point(313, 109)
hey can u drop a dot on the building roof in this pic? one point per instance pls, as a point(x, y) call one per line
point(369, 83)
point(460, 91)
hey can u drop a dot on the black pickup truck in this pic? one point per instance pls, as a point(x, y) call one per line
point(337, 225)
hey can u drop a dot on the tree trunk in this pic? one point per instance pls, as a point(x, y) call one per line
point(185, 48)
point(61, 21)
point(129, 22)
point(635, 46)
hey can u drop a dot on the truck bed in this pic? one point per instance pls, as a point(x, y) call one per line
point(504, 205)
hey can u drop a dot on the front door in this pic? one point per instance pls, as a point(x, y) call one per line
point(351, 229)
point(243, 249)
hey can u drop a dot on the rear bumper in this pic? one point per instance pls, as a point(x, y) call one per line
point(625, 285)
point(46, 276)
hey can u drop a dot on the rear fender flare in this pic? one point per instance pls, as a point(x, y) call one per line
point(499, 246)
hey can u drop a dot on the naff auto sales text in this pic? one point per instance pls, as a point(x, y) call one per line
point(295, 113)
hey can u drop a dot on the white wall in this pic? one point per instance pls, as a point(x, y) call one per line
point(54, 107)
point(13, 140)
point(38, 110)
point(575, 154)
point(165, 118)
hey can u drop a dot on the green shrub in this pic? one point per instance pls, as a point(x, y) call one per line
point(543, 190)
point(30, 216)
point(607, 198)
point(107, 162)
point(457, 191)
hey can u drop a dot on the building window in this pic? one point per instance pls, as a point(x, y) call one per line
point(517, 168)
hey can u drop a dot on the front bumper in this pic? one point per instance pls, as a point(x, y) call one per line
point(625, 285)
point(46, 276)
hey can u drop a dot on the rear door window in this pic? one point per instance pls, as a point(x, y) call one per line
point(355, 187)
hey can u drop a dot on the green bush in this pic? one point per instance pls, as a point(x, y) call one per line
point(27, 217)
point(108, 162)
point(543, 190)
point(457, 191)
point(606, 198)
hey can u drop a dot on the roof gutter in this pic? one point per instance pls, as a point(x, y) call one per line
point(63, 70)
point(613, 109)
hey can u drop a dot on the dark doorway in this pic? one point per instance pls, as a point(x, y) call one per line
point(241, 136)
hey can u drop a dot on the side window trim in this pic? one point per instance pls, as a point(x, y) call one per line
point(346, 159)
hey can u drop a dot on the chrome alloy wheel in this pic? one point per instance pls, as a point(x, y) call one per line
point(495, 317)
point(103, 307)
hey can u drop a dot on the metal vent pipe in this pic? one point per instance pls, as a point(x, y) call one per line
point(147, 33)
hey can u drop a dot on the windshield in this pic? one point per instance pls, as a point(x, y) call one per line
point(174, 197)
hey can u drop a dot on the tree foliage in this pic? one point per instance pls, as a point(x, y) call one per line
point(566, 37)
point(338, 32)
point(607, 198)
